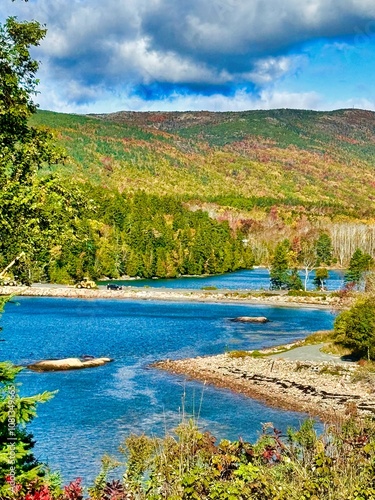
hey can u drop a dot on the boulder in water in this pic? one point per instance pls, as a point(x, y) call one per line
point(53, 365)
point(251, 319)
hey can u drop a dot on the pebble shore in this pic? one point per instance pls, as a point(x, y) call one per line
point(325, 390)
point(134, 293)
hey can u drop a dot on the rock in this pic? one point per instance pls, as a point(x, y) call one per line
point(251, 319)
point(52, 365)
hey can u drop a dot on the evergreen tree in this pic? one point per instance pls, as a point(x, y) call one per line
point(294, 281)
point(18, 466)
point(320, 278)
point(360, 263)
point(324, 249)
point(281, 276)
point(279, 273)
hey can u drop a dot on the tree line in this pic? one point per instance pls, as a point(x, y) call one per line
point(146, 235)
point(314, 254)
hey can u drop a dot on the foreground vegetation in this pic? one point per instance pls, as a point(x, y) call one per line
point(339, 464)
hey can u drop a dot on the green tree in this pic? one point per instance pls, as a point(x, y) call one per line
point(320, 278)
point(360, 264)
point(355, 327)
point(281, 276)
point(38, 212)
point(324, 249)
point(18, 466)
point(294, 281)
point(279, 273)
point(24, 149)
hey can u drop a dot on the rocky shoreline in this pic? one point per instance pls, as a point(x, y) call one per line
point(134, 293)
point(325, 390)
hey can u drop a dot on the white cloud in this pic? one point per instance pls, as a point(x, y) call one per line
point(97, 51)
point(272, 68)
point(356, 103)
point(150, 65)
point(106, 101)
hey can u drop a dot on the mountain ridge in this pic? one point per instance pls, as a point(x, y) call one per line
point(311, 161)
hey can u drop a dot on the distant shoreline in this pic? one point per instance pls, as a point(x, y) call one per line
point(136, 293)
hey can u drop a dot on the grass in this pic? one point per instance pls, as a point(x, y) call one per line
point(303, 293)
point(335, 370)
point(365, 373)
point(336, 349)
point(247, 354)
point(239, 354)
point(319, 337)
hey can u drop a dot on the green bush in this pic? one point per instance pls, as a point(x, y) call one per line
point(302, 293)
point(355, 328)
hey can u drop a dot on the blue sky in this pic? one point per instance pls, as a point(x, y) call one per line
point(110, 55)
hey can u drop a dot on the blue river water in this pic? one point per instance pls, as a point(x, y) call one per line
point(254, 279)
point(95, 409)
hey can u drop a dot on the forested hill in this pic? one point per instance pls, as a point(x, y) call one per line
point(313, 162)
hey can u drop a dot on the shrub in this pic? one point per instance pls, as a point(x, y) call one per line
point(355, 327)
point(189, 465)
point(302, 293)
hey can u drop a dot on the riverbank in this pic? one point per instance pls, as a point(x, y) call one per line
point(328, 390)
point(135, 293)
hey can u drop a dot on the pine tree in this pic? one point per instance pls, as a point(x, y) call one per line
point(281, 276)
point(18, 466)
point(360, 263)
point(279, 273)
point(324, 249)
